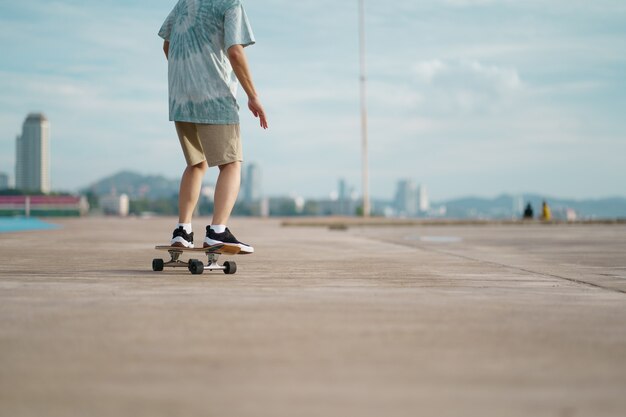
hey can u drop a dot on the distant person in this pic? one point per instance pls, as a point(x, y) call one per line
point(546, 215)
point(204, 43)
point(529, 212)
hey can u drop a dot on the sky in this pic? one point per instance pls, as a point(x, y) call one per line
point(468, 97)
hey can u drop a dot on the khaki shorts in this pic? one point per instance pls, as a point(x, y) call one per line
point(217, 144)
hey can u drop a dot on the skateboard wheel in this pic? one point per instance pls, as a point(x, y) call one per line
point(196, 267)
point(230, 267)
point(157, 264)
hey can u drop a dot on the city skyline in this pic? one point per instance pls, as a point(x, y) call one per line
point(469, 97)
point(345, 202)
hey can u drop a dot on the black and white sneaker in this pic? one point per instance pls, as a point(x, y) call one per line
point(226, 238)
point(182, 239)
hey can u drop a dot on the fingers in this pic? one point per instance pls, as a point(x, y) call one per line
point(258, 112)
point(262, 119)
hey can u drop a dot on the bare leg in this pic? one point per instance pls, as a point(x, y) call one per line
point(226, 191)
point(190, 186)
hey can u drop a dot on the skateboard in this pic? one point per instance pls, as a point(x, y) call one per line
point(196, 266)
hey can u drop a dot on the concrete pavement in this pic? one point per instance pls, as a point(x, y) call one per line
point(394, 321)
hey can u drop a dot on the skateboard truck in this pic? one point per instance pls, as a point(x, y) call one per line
point(229, 267)
point(195, 266)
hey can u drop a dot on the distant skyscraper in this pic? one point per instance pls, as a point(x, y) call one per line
point(406, 198)
point(344, 199)
point(343, 190)
point(252, 183)
point(422, 197)
point(32, 165)
point(4, 181)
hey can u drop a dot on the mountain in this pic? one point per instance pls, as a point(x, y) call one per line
point(507, 206)
point(135, 185)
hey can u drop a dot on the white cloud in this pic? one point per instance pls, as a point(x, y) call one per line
point(506, 79)
point(427, 70)
point(502, 78)
point(448, 87)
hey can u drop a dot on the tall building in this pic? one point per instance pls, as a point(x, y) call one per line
point(252, 183)
point(406, 198)
point(32, 165)
point(345, 200)
point(4, 181)
point(343, 190)
point(422, 197)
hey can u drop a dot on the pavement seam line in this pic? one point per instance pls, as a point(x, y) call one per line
point(545, 274)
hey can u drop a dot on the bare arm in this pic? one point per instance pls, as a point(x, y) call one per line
point(166, 49)
point(239, 62)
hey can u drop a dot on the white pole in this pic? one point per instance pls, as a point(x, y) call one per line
point(364, 155)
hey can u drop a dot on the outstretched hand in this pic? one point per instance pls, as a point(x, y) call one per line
point(254, 104)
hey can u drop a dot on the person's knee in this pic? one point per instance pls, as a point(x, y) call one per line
point(202, 166)
point(230, 166)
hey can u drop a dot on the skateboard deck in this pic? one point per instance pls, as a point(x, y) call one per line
point(219, 249)
point(194, 265)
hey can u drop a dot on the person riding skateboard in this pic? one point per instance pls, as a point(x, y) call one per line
point(204, 43)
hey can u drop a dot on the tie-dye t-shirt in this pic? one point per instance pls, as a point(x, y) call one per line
point(202, 85)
